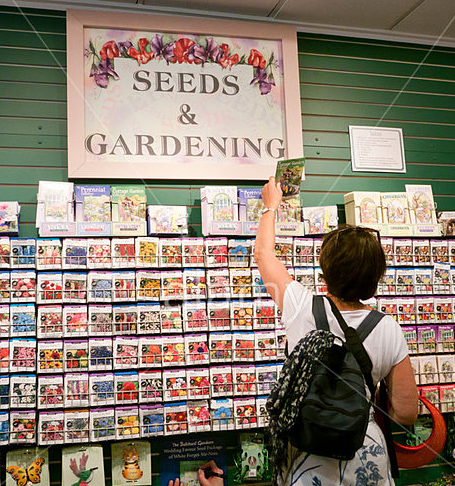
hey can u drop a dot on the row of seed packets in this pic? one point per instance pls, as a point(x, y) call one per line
point(418, 310)
point(57, 321)
point(429, 370)
point(429, 339)
point(442, 397)
point(28, 355)
point(76, 426)
point(127, 388)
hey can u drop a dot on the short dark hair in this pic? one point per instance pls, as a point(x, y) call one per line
point(352, 262)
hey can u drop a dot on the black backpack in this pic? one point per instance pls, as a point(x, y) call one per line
point(334, 415)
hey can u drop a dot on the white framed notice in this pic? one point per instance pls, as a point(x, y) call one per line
point(377, 149)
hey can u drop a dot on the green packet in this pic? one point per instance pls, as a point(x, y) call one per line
point(289, 173)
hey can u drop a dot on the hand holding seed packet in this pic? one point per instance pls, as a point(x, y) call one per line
point(289, 173)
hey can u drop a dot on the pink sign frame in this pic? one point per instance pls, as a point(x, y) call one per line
point(79, 167)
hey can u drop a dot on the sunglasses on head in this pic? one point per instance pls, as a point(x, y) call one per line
point(358, 229)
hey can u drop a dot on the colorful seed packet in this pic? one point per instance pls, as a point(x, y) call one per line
point(93, 203)
point(222, 414)
point(150, 386)
point(99, 253)
point(128, 203)
point(127, 423)
point(51, 428)
point(48, 254)
point(289, 173)
point(175, 418)
point(152, 420)
point(51, 392)
point(102, 424)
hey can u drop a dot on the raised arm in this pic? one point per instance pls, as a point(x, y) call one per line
point(402, 392)
point(273, 272)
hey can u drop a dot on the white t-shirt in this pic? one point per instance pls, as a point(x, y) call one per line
point(385, 345)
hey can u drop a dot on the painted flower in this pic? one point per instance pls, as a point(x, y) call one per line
point(109, 50)
point(211, 51)
point(183, 51)
point(225, 60)
point(102, 72)
point(142, 56)
point(123, 47)
point(256, 59)
point(161, 50)
point(265, 82)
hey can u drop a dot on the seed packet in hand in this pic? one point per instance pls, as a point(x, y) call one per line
point(289, 173)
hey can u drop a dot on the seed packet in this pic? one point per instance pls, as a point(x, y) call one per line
point(4, 392)
point(221, 380)
point(152, 420)
point(22, 354)
point(423, 281)
point(99, 286)
point(49, 321)
point(74, 287)
point(23, 252)
point(175, 418)
point(250, 204)
point(222, 414)
point(266, 376)
point(151, 352)
point(428, 370)
point(405, 278)
point(194, 284)
point(415, 365)
point(445, 339)
point(444, 310)
point(150, 386)
point(389, 306)
point(100, 320)
point(447, 398)
point(196, 349)
point(387, 246)
point(422, 253)
point(441, 278)
point(23, 286)
point(446, 367)
point(284, 250)
point(127, 423)
point(410, 336)
point(451, 251)
point(280, 336)
point(198, 416)
point(245, 413)
point(244, 378)
point(124, 319)
point(289, 173)
point(99, 253)
point(303, 251)
point(126, 352)
point(305, 277)
point(452, 280)
point(173, 350)
point(172, 285)
point(193, 252)
point(426, 338)
point(240, 281)
point(265, 348)
point(243, 345)
point(261, 410)
point(317, 250)
point(50, 356)
point(123, 286)
point(218, 203)
point(439, 251)
point(170, 251)
point(198, 383)
point(425, 313)
point(149, 320)
point(76, 355)
point(167, 220)
point(4, 321)
point(220, 345)
point(4, 428)
point(219, 315)
point(74, 253)
point(239, 252)
point(126, 385)
point(50, 391)
point(93, 203)
point(5, 252)
point(51, 426)
point(5, 283)
point(430, 392)
point(23, 320)
point(216, 254)
point(102, 424)
point(148, 284)
point(4, 356)
point(175, 385)
point(76, 390)
point(259, 289)
point(194, 316)
point(218, 283)
point(77, 426)
point(48, 254)
point(123, 252)
point(22, 427)
point(101, 389)
point(421, 204)
point(321, 286)
point(406, 311)
point(23, 391)
point(387, 285)
point(241, 315)
point(55, 202)
point(75, 321)
point(128, 203)
point(147, 252)
point(171, 319)
point(50, 288)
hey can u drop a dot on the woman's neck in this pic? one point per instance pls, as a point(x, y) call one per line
point(347, 306)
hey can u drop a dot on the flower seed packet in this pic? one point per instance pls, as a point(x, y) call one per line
point(289, 173)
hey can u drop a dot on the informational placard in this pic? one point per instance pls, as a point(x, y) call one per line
point(377, 149)
point(172, 98)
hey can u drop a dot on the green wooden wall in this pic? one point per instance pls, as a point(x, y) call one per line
point(344, 81)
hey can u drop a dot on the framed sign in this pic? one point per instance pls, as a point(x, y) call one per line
point(161, 97)
point(377, 149)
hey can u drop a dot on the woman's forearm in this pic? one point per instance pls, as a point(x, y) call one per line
point(265, 238)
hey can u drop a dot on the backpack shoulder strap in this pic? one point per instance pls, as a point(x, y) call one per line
point(368, 324)
point(319, 313)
